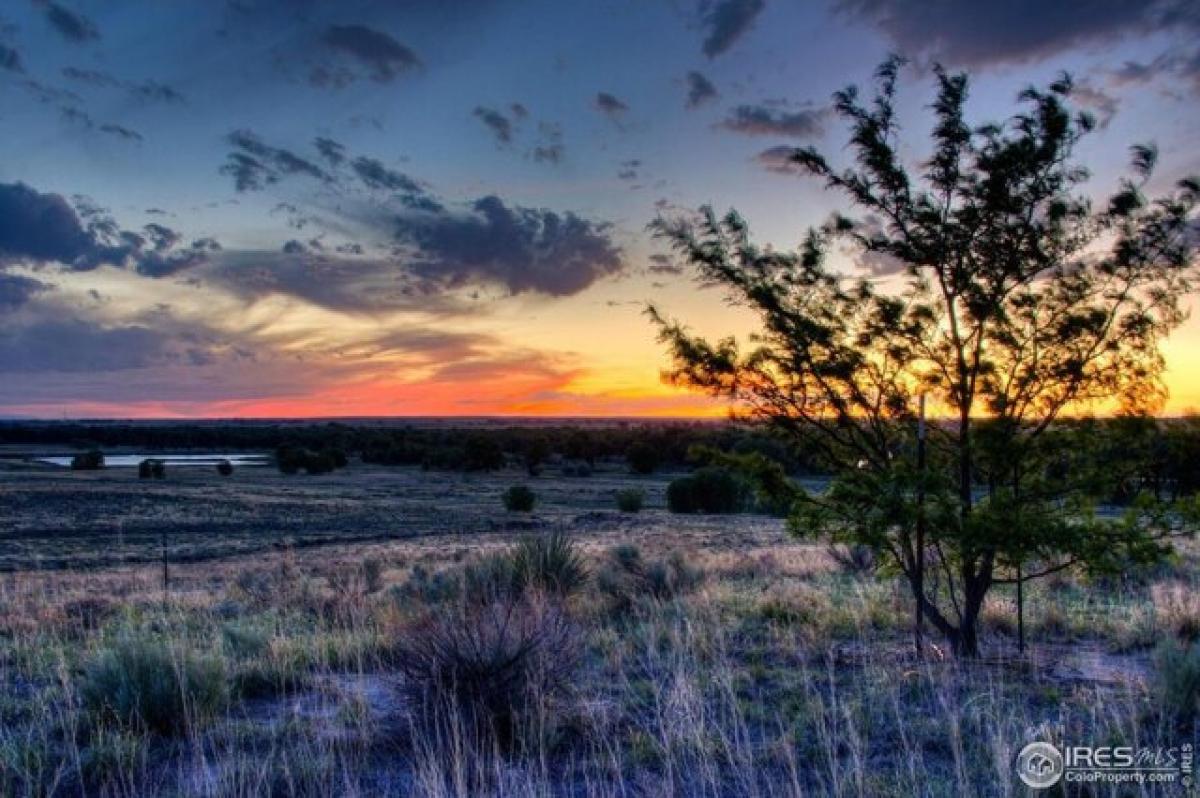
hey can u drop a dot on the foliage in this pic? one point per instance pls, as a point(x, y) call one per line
point(626, 576)
point(91, 460)
point(549, 564)
point(225, 468)
point(1177, 669)
point(710, 489)
point(144, 683)
point(152, 468)
point(630, 500)
point(642, 458)
point(520, 499)
point(291, 460)
point(1018, 303)
point(490, 667)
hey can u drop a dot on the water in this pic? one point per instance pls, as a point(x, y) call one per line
point(176, 460)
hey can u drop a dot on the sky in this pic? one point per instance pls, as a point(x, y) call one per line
point(270, 208)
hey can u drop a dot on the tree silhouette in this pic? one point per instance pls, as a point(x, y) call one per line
point(1013, 302)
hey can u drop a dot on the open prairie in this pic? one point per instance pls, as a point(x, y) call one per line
point(687, 654)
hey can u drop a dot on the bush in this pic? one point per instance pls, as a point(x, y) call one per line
point(291, 459)
point(519, 499)
point(711, 489)
point(225, 468)
point(627, 576)
point(642, 458)
point(152, 468)
point(576, 468)
point(550, 563)
point(493, 668)
point(1177, 666)
point(92, 460)
point(630, 500)
point(148, 685)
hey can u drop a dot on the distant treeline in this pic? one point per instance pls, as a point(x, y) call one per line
point(1128, 455)
point(648, 446)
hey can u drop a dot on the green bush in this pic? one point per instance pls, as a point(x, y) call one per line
point(711, 489)
point(630, 500)
point(225, 468)
point(520, 499)
point(146, 684)
point(152, 468)
point(1177, 667)
point(550, 563)
point(92, 460)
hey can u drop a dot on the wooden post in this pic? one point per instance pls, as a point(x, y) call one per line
point(919, 566)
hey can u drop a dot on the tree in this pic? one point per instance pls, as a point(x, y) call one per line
point(1013, 302)
point(536, 452)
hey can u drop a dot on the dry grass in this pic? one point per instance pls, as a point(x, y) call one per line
point(775, 674)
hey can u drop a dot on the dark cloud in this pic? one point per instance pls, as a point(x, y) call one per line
point(332, 151)
point(378, 51)
point(522, 249)
point(10, 59)
point(121, 131)
point(149, 91)
point(988, 33)
point(762, 120)
point(518, 110)
point(500, 125)
point(16, 290)
point(778, 160)
point(72, 25)
point(1170, 67)
point(42, 227)
point(610, 106)
point(45, 228)
point(726, 21)
point(73, 345)
point(629, 169)
point(549, 147)
point(377, 176)
point(255, 164)
point(699, 90)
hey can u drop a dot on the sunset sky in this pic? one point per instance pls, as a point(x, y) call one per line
point(287, 208)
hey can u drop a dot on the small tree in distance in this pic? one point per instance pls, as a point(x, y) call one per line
point(1015, 302)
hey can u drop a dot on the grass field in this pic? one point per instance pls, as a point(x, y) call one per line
point(695, 655)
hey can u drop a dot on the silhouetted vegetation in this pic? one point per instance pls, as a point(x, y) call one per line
point(91, 460)
point(1019, 303)
point(519, 498)
point(710, 489)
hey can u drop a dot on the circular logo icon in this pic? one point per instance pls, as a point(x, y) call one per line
point(1040, 765)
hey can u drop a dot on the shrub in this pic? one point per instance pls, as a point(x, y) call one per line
point(630, 500)
point(642, 458)
point(427, 588)
point(1177, 666)
point(146, 684)
point(710, 489)
point(372, 569)
point(225, 468)
point(626, 576)
point(92, 460)
point(493, 668)
point(144, 470)
point(291, 459)
point(152, 468)
point(519, 498)
point(550, 563)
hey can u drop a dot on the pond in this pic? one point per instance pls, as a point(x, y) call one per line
point(174, 460)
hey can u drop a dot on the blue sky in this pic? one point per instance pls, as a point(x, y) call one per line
point(470, 237)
